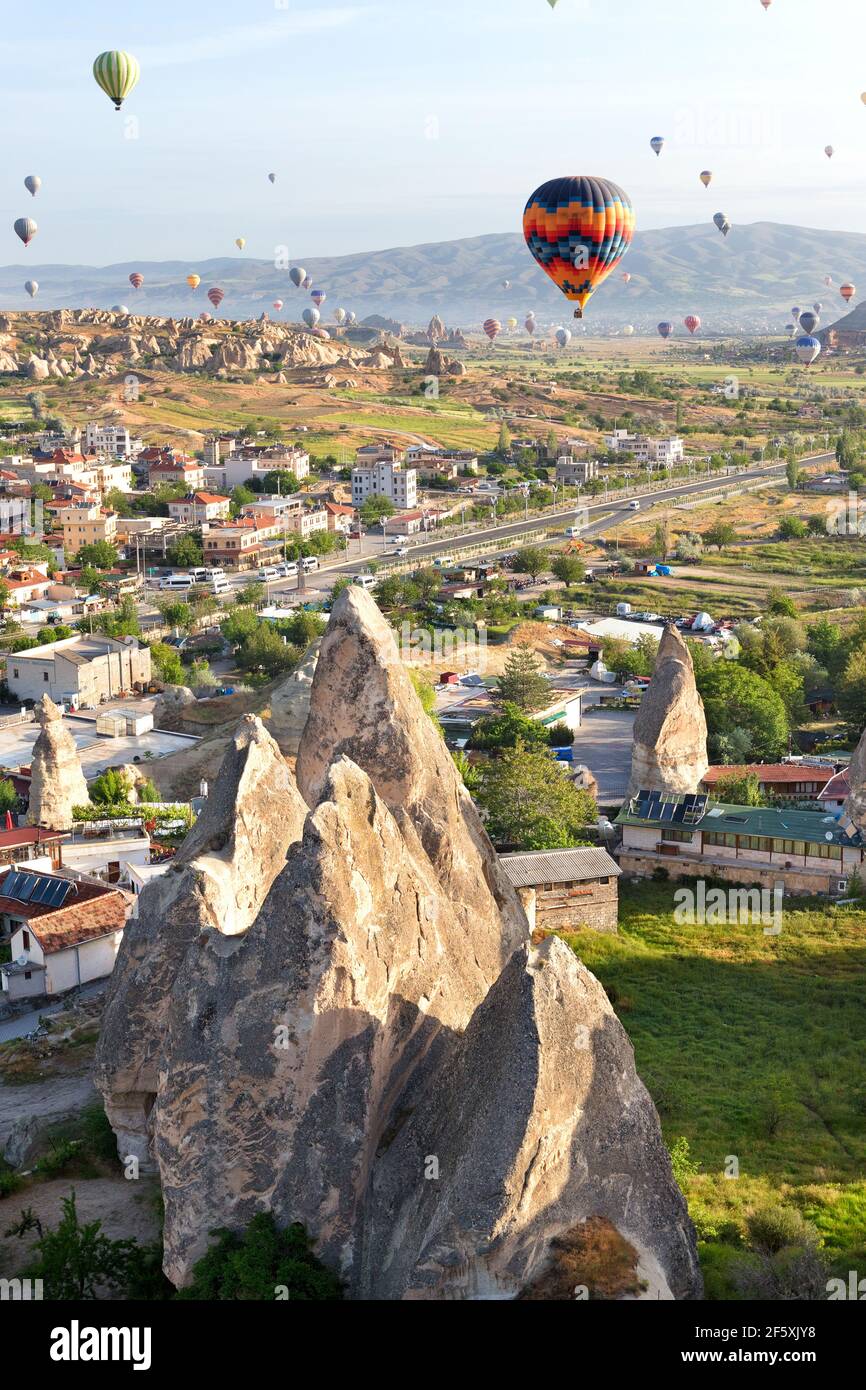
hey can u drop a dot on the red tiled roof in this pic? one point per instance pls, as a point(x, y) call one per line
point(336, 509)
point(769, 772)
point(207, 497)
point(837, 788)
point(91, 910)
point(25, 835)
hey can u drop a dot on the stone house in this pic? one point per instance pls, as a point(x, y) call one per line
point(83, 671)
point(566, 889)
point(62, 933)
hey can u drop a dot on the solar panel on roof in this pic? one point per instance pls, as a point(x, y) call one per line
point(36, 888)
point(60, 890)
point(679, 814)
point(667, 811)
point(25, 887)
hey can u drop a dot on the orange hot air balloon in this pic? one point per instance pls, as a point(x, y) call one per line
point(136, 280)
point(193, 281)
point(578, 229)
point(847, 292)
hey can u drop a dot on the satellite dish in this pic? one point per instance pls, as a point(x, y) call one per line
point(828, 835)
point(22, 960)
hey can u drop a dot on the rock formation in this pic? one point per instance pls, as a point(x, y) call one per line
point(57, 782)
point(669, 752)
point(170, 704)
point(362, 1038)
point(855, 802)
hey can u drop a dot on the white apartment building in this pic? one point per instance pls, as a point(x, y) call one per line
point(237, 469)
point(382, 479)
point(114, 440)
point(570, 472)
point(645, 448)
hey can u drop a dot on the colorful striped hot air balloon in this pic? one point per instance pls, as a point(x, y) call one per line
point(33, 183)
point(706, 177)
point(193, 281)
point(491, 328)
point(216, 296)
point(117, 73)
point(578, 229)
point(692, 323)
point(657, 143)
point(665, 329)
point(136, 280)
point(318, 297)
point(847, 292)
point(26, 229)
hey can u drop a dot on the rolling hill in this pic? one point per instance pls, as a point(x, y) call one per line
point(749, 280)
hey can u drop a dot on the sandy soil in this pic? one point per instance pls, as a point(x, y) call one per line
point(127, 1210)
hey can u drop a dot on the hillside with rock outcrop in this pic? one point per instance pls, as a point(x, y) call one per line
point(669, 751)
point(329, 1008)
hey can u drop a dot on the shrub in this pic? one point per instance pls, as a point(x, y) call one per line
point(775, 1228)
point(255, 1265)
point(682, 1163)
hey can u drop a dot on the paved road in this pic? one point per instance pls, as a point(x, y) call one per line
point(26, 1023)
point(604, 743)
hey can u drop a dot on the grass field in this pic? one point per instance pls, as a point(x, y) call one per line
point(753, 1047)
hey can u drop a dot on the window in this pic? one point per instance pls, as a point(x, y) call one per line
point(45, 675)
point(16, 673)
point(25, 940)
point(27, 974)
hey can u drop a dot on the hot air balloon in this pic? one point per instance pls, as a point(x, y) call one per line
point(216, 296)
point(318, 297)
point(626, 275)
point(311, 317)
point(563, 337)
point(136, 280)
point(240, 242)
point(692, 323)
point(795, 312)
point(657, 143)
point(506, 284)
point(117, 73)
point(818, 307)
point(863, 98)
point(512, 324)
point(722, 222)
point(628, 330)
point(847, 292)
point(297, 275)
point(807, 349)
point(205, 317)
point(809, 321)
point(552, 4)
point(278, 304)
point(193, 281)
point(578, 229)
point(828, 280)
point(340, 316)
point(33, 183)
point(491, 328)
point(665, 329)
point(766, 3)
point(307, 282)
point(828, 150)
point(26, 228)
point(31, 286)
point(119, 309)
point(351, 317)
point(529, 324)
point(272, 177)
point(706, 177)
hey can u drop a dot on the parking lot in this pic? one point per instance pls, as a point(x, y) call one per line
point(604, 743)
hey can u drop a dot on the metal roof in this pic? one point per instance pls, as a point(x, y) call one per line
point(559, 866)
point(771, 822)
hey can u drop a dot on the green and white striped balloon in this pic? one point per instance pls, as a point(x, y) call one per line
point(117, 73)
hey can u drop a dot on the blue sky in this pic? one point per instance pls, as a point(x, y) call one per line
point(398, 121)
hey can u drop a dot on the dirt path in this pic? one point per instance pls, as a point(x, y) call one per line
point(26, 1111)
point(127, 1210)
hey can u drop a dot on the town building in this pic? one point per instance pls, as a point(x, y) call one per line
point(836, 791)
point(339, 518)
point(25, 843)
point(645, 448)
point(23, 585)
point(168, 467)
point(571, 472)
point(459, 719)
point(788, 781)
point(112, 440)
point(85, 524)
point(199, 507)
point(216, 448)
point(384, 478)
point(566, 889)
point(235, 543)
point(80, 671)
point(242, 466)
point(62, 932)
point(808, 851)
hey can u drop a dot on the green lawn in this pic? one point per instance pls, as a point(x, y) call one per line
point(752, 1046)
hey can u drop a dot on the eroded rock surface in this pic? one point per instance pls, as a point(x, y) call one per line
point(669, 753)
point(58, 784)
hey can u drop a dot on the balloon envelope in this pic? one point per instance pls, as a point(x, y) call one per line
point(492, 327)
point(117, 73)
point(31, 286)
point(506, 284)
point(193, 281)
point(657, 143)
point(818, 307)
point(706, 178)
point(240, 242)
point(828, 280)
point(136, 280)
point(272, 177)
point(628, 330)
point(311, 317)
point(318, 297)
point(847, 291)
point(33, 183)
point(722, 222)
point(563, 337)
point(216, 296)
point(665, 329)
point(26, 228)
point(340, 316)
point(278, 304)
point(807, 349)
point(307, 282)
point(828, 150)
point(692, 323)
point(512, 323)
point(297, 276)
point(626, 275)
point(809, 321)
point(529, 324)
point(351, 317)
point(578, 229)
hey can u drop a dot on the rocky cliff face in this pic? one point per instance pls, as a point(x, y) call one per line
point(57, 783)
point(669, 753)
point(855, 802)
point(361, 1037)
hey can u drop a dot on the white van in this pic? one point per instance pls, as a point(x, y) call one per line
point(271, 572)
point(572, 532)
point(444, 562)
point(215, 573)
point(366, 581)
point(310, 562)
point(220, 585)
point(200, 576)
point(177, 581)
point(635, 506)
point(289, 569)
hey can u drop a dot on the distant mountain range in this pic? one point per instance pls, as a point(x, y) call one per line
point(749, 280)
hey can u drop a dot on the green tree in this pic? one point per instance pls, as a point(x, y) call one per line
point(281, 481)
point(8, 796)
point(78, 1261)
point(260, 1262)
point(503, 443)
point(530, 802)
point(91, 581)
point(177, 613)
point(109, 789)
point(736, 698)
point(568, 569)
point(508, 727)
point(793, 474)
point(780, 603)
point(791, 528)
point(376, 509)
point(238, 625)
point(167, 664)
point(522, 682)
point(186, 552)
point(5, 591)
point(265, 651)
point(240, 497)
point(737, 790)
point(851, 689)
point(101, 555)
point(720, 534)
point(469, 773)
point(532, 560)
